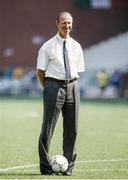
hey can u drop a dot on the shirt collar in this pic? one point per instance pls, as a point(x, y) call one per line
point(60, 39)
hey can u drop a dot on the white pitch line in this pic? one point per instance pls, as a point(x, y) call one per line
point(101, 160)
point(98, 170)
point(84, 161)
point(17, 167)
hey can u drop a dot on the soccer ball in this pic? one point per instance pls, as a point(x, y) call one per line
point(59, 163)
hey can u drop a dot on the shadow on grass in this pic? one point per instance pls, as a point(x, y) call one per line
point(25, 175)
point(20, 174)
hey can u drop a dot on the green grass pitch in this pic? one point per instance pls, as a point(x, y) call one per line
point(102, 143)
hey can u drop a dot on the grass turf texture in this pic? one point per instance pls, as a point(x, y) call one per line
point(102, 135)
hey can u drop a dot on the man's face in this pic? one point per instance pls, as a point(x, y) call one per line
point(64, 25)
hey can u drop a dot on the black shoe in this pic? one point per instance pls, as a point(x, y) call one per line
point(68, 172)
point(47, 172)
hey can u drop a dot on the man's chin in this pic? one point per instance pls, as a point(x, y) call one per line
point(66, 33)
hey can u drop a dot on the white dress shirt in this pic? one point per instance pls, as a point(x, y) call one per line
point(50, 58)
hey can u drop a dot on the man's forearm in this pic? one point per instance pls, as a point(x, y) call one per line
point(41, 76)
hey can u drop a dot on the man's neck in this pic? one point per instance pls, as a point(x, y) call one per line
point(64, 36)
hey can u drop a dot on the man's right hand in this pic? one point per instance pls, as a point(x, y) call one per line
point(41, 76)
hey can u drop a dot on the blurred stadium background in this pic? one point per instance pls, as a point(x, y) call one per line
point(101, 27)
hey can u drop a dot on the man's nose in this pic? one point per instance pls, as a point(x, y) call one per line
point(67, 25)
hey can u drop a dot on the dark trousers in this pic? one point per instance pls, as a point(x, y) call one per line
point(59, 97)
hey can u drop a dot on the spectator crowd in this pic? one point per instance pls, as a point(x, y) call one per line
point(93, 84)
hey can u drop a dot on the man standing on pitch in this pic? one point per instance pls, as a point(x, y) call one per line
point(58, 63)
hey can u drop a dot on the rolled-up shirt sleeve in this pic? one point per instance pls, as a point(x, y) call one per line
point(80, 63)
point(42, 59)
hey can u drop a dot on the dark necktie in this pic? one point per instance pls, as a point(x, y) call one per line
point(66, 62)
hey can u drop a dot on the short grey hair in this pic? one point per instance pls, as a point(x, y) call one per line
point(62, 13)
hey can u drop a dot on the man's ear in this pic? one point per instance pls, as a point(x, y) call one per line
point(57, 22)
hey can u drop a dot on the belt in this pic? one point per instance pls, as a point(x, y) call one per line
point(62, 81)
